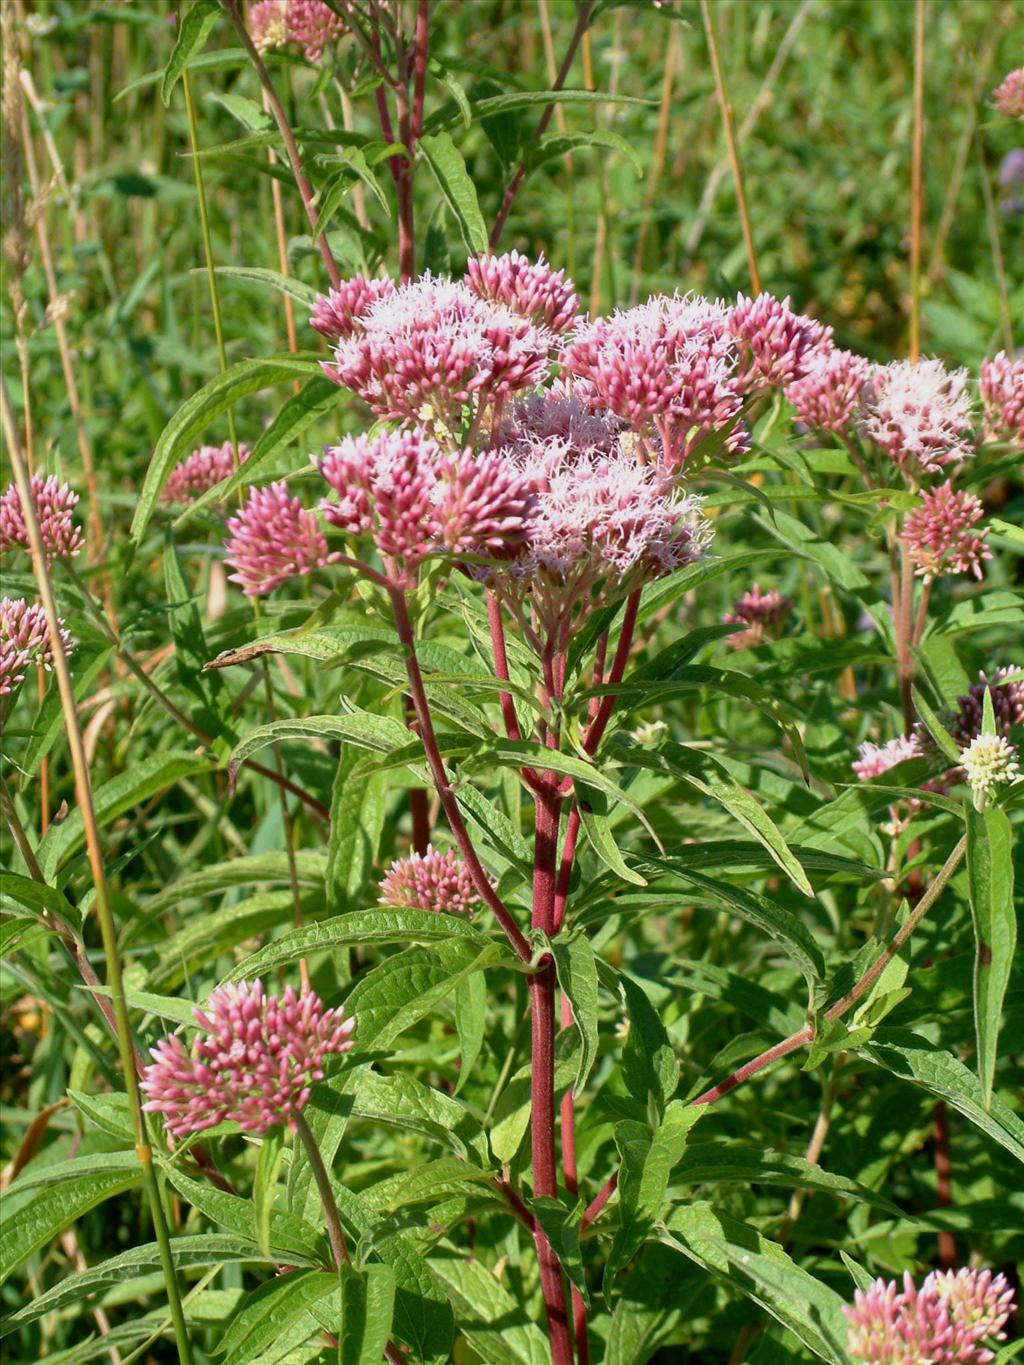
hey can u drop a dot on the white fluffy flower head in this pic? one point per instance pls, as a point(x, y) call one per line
point(989, 761)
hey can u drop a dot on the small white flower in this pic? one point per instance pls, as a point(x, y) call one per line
point(988, 761)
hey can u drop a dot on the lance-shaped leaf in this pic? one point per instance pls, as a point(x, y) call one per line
point(577, 976)
point(193, 30)
point(197, 412)
point(990, 884)
point(449, 170)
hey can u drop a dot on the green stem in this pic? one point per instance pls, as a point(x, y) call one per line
point(335, 1233)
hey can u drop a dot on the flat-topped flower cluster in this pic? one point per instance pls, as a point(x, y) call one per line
point(945, 1322)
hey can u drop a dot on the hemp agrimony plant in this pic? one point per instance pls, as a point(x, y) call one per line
point(641, 841)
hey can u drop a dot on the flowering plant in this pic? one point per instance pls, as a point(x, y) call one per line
point(552, 892)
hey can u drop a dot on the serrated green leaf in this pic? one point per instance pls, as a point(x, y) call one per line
point(382, 925)
point(762, 1271)
point(196, 414)
point(278, 1308)
point(56, 1197)
point(577, 976)
point(193, 30)
point(650, 1067)
point(906, 1054)
point(367, 1308)
point(268, 1167)
point(449, 170)
point(470, 1023)
point(990, 884)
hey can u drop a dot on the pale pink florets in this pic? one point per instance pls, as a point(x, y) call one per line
point(560, 414)
point(430, 881)
point(1008, 96)
point(826, 397)
point(24, 640)
point(337, 313)
point(763, 613)
point(268, 24)
point(1002, 396)
point(529, 288)
point(273, 538)
point(415, 500)
point(203, 469)
point(876, 759)
point(940, 533)
point(426, 350)
point(313, 25)
point(602, 516)
point(919, 414)
point(776, 346)
point(310, 23)
point(55, 504)
point(253, 1065)
point(946, 1322)
point(667, 368)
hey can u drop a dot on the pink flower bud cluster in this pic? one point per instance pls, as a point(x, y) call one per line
point(337, 313)
point(876, 759)
point(203, 469)
point(1002, 395)
point(55, 504)
point(531, 289)
point(414, 500)
point(24, 640)
point(919, 415)
point(273, 538)
point(940, 533)
point(1008, 96)
point(776, 346)
point(253, 1065)
point(763, 613)
point(430, 881)
point(424, 351)
point(667, 368)
point(1007, 707)
point(825, 397)
point(945, 1322)
point(310, 23)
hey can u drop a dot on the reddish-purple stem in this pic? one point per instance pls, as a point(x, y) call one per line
point(542, 1073)
point(420, 72)
point(435, 762)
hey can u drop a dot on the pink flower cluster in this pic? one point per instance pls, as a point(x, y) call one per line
point(825, 397)
point(776, 346)
point(945, 1322)
point(667, 369)
point(55, 503)
point(273, 538)
point(310, 23)
point(336, 314)
point(876, 759)
point(1001, 383)
point(599, 516)
point(1008, 96)
point(414, 500)
point(763, 613)
point(430, 881)
point(424, 351)
point(254, 1064)
point(203, 469)
point(24, 640)
point(918, 414)
point(529, 288)
point(940, 533)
